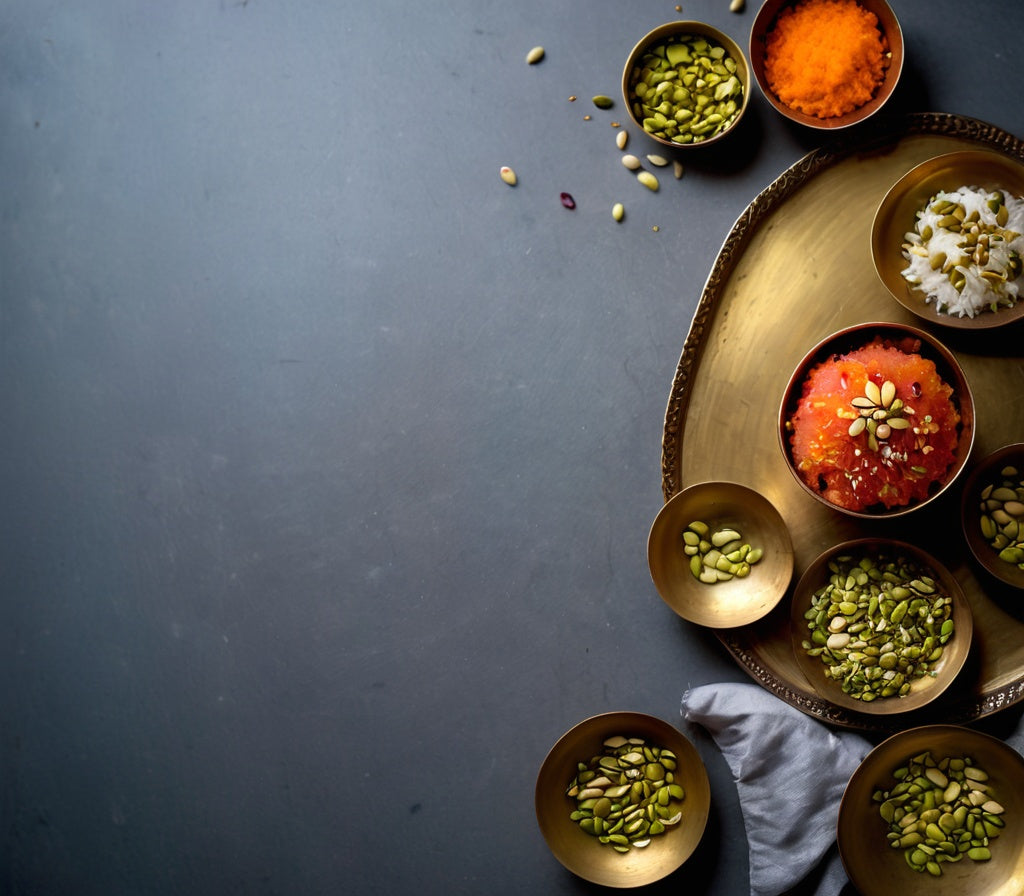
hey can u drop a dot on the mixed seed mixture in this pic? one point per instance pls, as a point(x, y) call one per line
point(880, 623)
point(1002, 516)
point(939, 811)
point(627, 793)
point(718, 555)
point(686, 90)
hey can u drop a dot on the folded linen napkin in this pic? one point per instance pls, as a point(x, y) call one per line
point(790, 772)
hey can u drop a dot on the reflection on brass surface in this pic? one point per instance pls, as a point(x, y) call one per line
point(738, 601)
point(674, 29)
point(795, 267)
point(876, 869)
point(923, 690)
point(896, 216)
point(855, 337)
point(583, 854)
point(763, 23)
point(988, 471)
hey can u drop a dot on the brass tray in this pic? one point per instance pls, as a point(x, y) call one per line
point(796, 267)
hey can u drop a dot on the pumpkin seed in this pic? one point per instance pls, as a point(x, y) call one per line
point(648, 180)
point(508, 175)
point(934, 825)
point(632, 778)
point(621, 139)
point(618, 212)
point(631, 162)
point(603, 102)
point(535, 55)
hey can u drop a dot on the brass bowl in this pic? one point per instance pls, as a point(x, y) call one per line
point(664, 33)
point(896, 216)
point(987, 472)
point(764, 22)
point(731, 603)
point(855, 337)
point(923, 690)
point(583, 854)
point(877, 869)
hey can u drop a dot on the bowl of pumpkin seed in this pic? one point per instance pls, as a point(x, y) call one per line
point(879, 626)
point(992, 514)
point(936, 810)
point(686, 84)
point(622, 799)
point(720, 554)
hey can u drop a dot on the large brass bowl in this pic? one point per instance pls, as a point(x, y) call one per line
point(583, 854)
point(877, 869)
point(858, 336)
point(896, 216)
point(923, 690)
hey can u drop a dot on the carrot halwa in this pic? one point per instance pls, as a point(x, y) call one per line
point(825, 57)
point(875, 426)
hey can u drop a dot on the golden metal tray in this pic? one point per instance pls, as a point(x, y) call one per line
point(796, 267)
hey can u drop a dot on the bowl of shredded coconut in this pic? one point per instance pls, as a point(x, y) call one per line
point(948, 240)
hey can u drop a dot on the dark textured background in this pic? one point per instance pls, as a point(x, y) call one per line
point(328, 460)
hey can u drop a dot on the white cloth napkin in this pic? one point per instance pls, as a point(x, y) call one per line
point(790, 772)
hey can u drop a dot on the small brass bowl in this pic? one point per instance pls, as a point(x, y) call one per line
point(583, 854)
point(875, 868)
point(897, 214)
point(668, 32)
point(850, 339)
point(738, 601)
point(922, 690)
point(763, 24)
point(989, 472)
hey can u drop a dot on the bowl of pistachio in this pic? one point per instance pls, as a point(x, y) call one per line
point(992, 513)
point(622, 799)
point(686, 84)
point(935, 810)
point(879, 626)
point(720, 554)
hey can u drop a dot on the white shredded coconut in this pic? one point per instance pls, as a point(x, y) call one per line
point(945, 265)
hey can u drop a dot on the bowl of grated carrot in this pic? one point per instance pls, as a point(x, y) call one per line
point(826, 64)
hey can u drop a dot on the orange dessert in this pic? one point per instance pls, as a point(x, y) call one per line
point(875, 426)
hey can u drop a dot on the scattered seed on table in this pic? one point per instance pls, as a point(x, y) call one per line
point(535, 55)
point(621, 139)
point(572, 99)
point(660, 161)
point(648, 180)
point(618, 212)
point(568, 201)
point(603, 102)
point(586, 118)
point(508, 175)
point(736, 6)
point(677, 169)
point(655, 228)
point(631, 162)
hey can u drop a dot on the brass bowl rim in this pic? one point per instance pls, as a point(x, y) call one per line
point(985, 555)
point(764, 21)
point(671, 29)
point(917, 185)
point(951, 663)
point(962, 396)
point(749, 604)
point(588, 858)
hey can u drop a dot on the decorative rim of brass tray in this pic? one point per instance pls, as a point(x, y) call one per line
point(885, 134)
